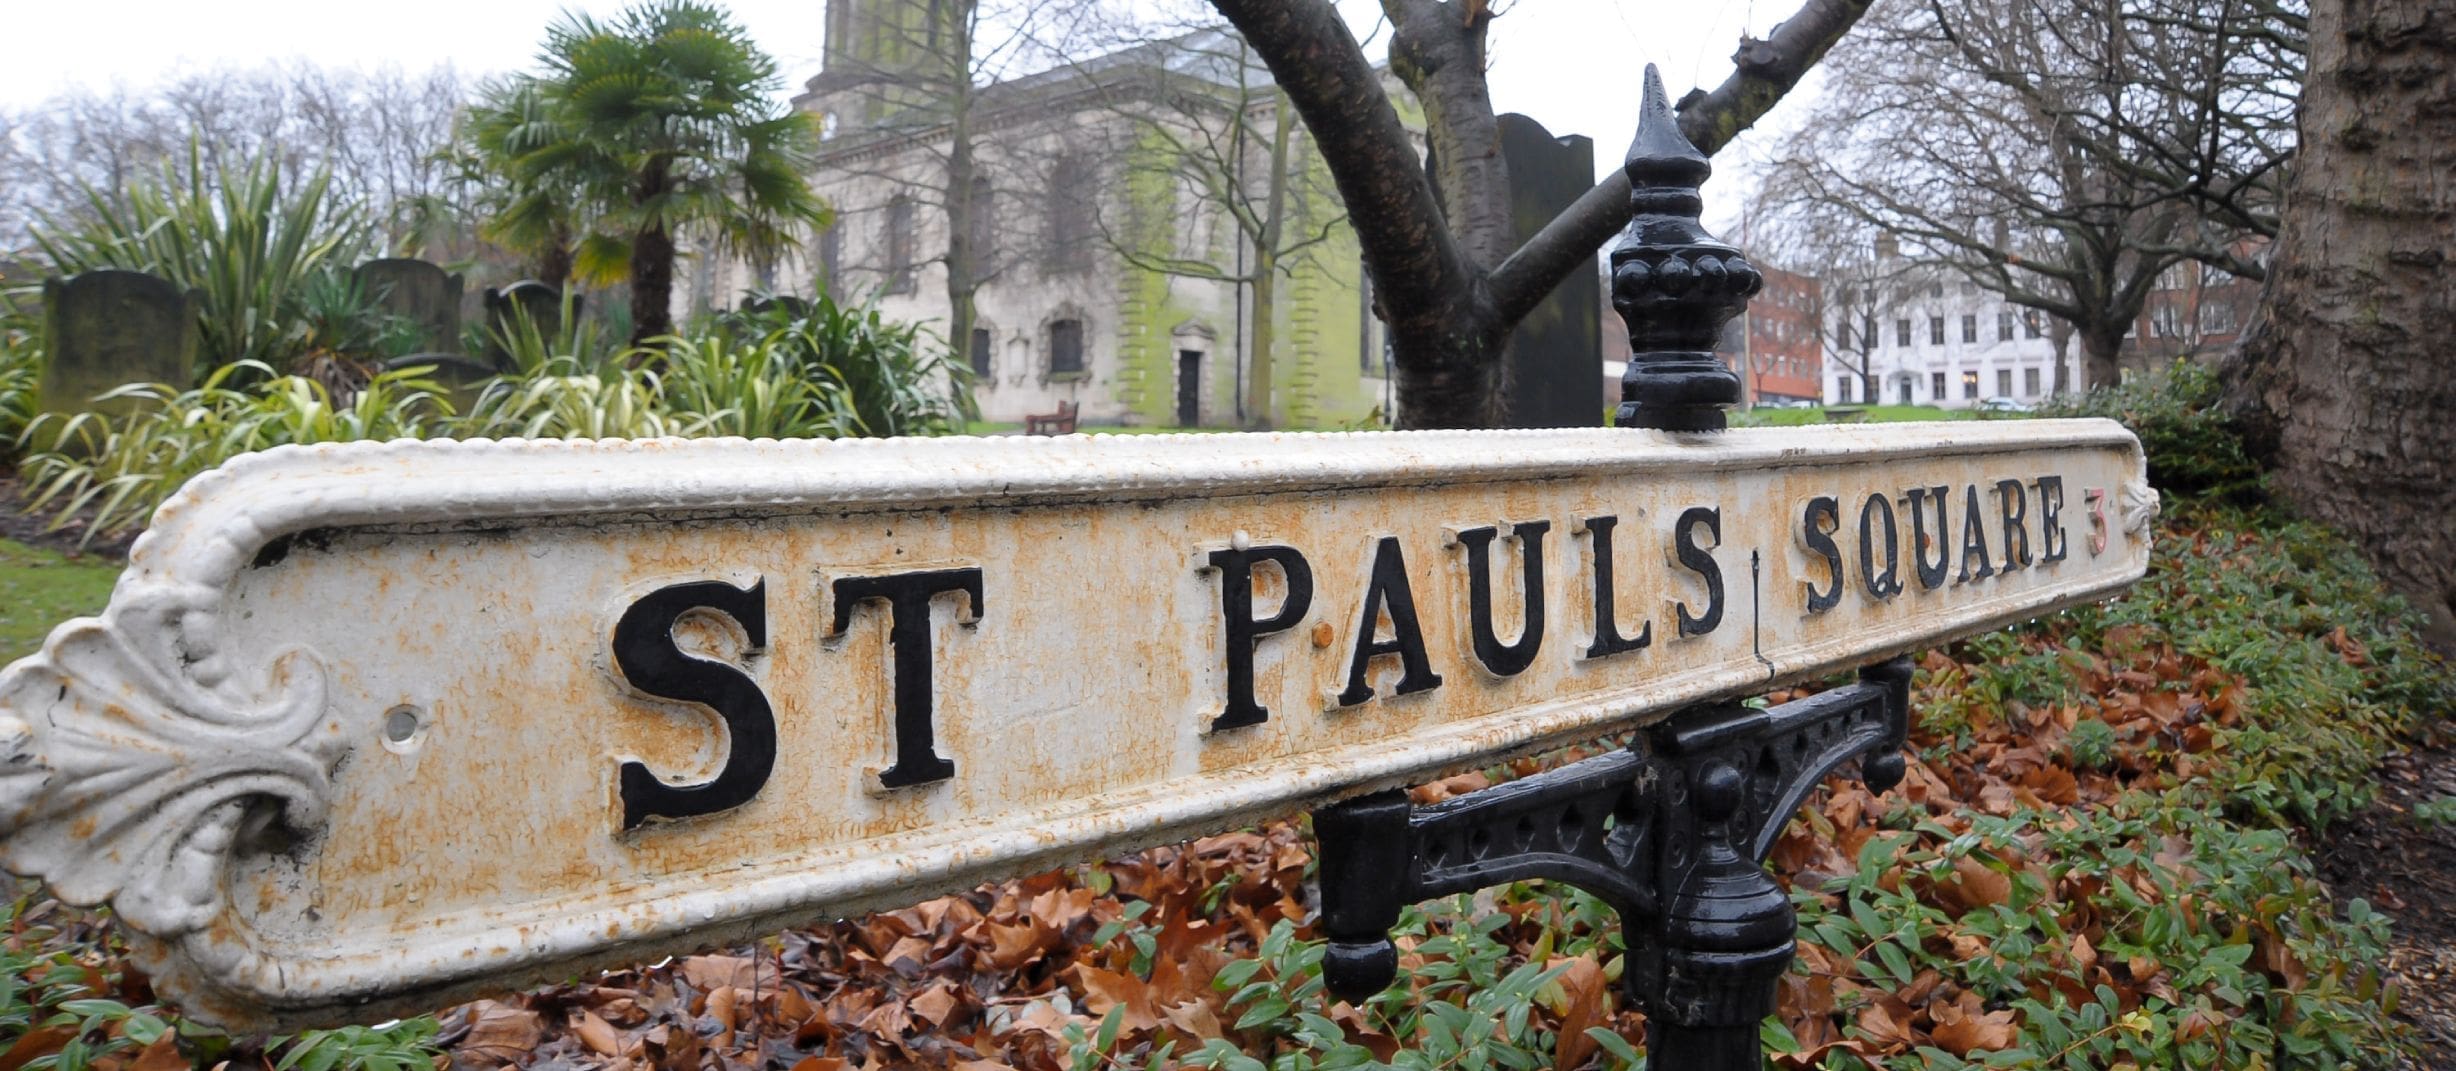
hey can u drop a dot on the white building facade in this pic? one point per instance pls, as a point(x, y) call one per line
point(1936, 340)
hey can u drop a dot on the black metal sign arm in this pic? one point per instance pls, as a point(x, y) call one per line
point(1672, 832)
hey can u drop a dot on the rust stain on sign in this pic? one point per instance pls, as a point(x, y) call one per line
point(367, 727)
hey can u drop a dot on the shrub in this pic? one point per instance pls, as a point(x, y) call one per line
point(2193, 450)
point(112, 471)
point(885, 378)
point(250, 243)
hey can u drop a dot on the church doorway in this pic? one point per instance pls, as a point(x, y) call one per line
point(1189, 388)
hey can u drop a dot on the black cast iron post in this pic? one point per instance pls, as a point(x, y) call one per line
point(1673, 284)
point(1672, 832)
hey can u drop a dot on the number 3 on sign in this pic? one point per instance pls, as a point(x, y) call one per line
point(2096, 497)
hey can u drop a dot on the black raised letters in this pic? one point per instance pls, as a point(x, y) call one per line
point(2014, 506)
point(1511, 659)
point(1931, 576)
point(1388, 589)
point(2051, 542)
point(1236, 606)
point(645, 652)
point(1608, 640)
point(908, 596)
point(1973, 539)
point(1817, 524)
point(1701, 561)
point(1882, 583)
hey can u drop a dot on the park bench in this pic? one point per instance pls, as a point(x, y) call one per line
point(1061, 422)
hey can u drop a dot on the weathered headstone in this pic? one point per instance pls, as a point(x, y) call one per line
point(1556, 353)
point(421, 292)
point(539, 305)
point(796, 307)
point(106, 329)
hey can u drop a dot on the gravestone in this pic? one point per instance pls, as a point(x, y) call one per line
point(796, 307)
point(420, 292)
point(111, 328)
point(541, 305)
point(1556, 353)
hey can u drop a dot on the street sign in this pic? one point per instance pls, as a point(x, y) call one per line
point(367, 727)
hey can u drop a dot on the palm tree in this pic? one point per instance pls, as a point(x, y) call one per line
point(663, 120)
point(530, 214)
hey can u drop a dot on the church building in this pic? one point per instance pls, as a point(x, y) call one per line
point(1110, 219)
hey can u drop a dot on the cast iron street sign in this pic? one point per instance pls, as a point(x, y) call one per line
point(369, 726)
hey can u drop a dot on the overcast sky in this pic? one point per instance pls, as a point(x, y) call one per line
point(1572, 64)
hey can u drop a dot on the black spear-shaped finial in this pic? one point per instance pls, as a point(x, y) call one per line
point(1674, 285)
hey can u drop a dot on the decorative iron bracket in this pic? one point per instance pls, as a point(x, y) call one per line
point(1673, 832)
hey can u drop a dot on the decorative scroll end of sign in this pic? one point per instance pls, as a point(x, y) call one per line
point(132, 759)
point(2140, 507)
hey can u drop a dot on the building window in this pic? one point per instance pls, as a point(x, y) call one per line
point(1969, 327)
point(1901, 332)
point(1842, 390)
point(1867, 333)
point(2165, 320)
point(1969, 384)
point(1935, 386)
point(1070, 216)
point(1065, 346)
point(2004, 326)
point(2029, 382)
point(2216, 317)
point(1935, 290)
point(2004, 382)
point(899, 246)
point(983, 227)
point(2029, 324)
point(1935, 330)
point(981, 344)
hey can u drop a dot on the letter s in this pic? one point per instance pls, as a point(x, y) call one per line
point(645, 651)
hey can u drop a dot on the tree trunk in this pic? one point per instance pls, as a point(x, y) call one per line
point(652, 285)
point(1261, 333)
point(1258, 409)
point(2101, 356)
point(963, 262)
point(554, 262)
point(963, 277)
point(652, 266)
point(2059, 335)
point(2343, 384)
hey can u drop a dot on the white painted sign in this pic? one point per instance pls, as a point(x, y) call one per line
point(369, 727)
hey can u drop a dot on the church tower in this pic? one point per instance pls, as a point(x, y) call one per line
point(883, 57)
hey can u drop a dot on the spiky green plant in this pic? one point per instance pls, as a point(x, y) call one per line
point(570, 398)
point(751, 388)
point(110, 471)
point(889, 378)
point(249, 243)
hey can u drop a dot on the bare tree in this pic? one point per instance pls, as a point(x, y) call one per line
point(1208, 140)
point(928, 79)
point(2062, 153)
point(1449, 277)
point(379, 134)
point(1862, 289)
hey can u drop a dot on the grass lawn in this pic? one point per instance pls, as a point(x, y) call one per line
point(41, 588)
point(1869, 414)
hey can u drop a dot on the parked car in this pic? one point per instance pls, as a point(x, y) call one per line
point(2002, 404)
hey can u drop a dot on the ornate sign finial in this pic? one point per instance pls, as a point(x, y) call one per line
point(1674, 285)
